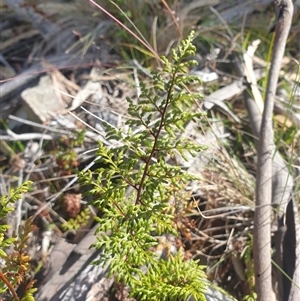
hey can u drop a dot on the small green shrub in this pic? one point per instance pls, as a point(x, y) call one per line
point(146, 161)
point(16, 263)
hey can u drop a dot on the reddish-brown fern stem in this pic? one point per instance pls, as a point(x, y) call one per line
point(139, 192)
point(10, 287)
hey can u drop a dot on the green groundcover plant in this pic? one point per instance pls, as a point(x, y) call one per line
point(140, 188)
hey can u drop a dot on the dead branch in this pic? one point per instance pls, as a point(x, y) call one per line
point(266, 149)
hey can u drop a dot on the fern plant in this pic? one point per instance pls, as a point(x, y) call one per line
point(16, 264)
point(146, 161)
